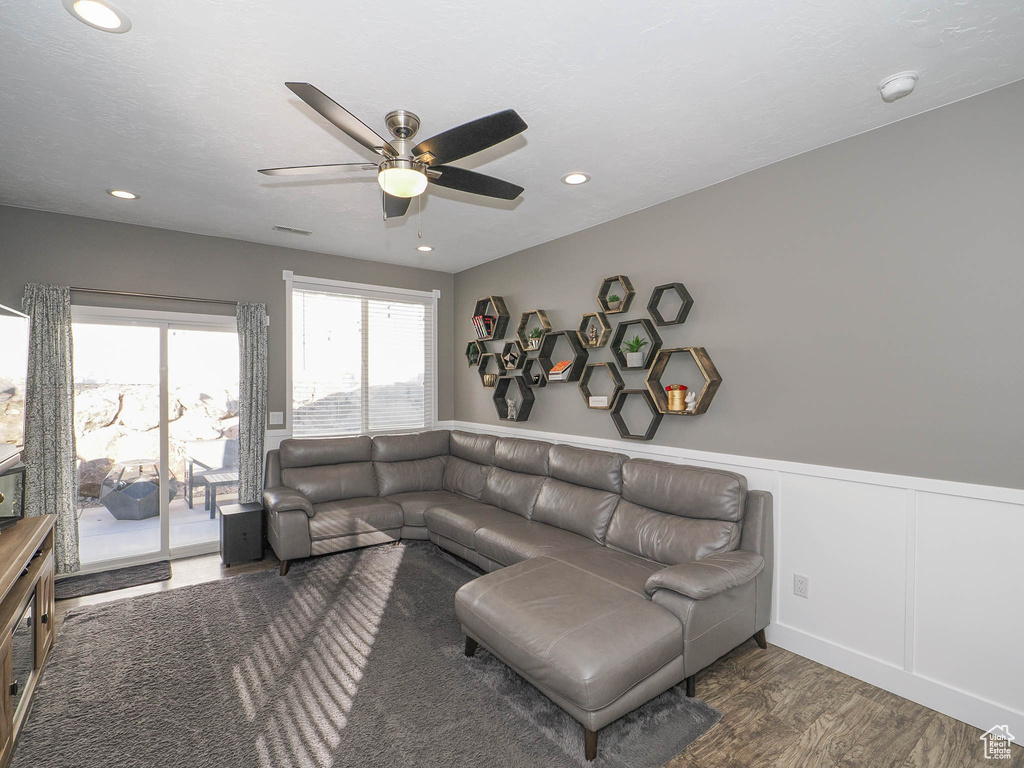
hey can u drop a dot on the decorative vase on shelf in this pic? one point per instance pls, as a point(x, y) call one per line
point(634, 359)
point(676, 394)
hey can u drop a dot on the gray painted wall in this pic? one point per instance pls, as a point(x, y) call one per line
point(863, 302)
point(52, 248)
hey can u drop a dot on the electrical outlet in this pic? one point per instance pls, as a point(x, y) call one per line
point(801, 585)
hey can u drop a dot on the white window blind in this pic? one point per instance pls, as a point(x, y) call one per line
point(363, 361)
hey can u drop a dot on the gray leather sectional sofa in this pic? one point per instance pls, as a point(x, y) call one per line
point(609, 579)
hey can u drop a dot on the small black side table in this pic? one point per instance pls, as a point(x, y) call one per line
point(241, 533)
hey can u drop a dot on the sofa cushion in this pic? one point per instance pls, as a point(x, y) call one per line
point(668, 539)
point(352, 516)
point(465, 477)
point(698, 492)
point(515, 538)
point(574, 508)
point(581, 466)
point(415, 503)
point(529, 456)
point(415, 475)
point(459, 520)
point(476, 448)
point(419, 445)
point(565, 631)
point(332, 482)
point(305, 452)
point(619, 569)
point(514, 491)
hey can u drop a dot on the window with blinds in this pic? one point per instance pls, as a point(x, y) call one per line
point(363, 361)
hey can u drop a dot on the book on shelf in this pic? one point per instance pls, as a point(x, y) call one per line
point(484, 325)
point(560, 371)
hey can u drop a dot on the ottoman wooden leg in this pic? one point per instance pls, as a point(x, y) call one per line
point(590, 743)
point(470, 646)
point(760, 639)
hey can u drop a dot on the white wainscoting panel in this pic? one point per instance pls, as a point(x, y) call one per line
point(916, 583)
point(969, 630)
point(849, 539)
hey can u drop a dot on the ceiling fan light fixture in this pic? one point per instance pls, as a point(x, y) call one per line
point(98, 15)
point(402, 178)
point(575, 178)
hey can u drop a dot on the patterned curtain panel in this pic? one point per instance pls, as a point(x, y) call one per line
point(252, 397)
point(50, 459)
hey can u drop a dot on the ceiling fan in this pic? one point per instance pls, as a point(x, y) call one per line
point(406, 169)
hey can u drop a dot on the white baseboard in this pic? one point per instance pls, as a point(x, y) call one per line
point(956, 703)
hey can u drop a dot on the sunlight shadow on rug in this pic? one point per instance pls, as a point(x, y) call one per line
point(332, 628)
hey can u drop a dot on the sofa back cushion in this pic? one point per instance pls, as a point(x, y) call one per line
point(405, 476)
point(513, 491)
point(676, 514)
point(332, 482)
point(314, 452)
point(593, 469)
point(576, 508)
point(476, 448)
point(529, 456)
point(698, 492)
point(419, 445)
point(465, 477)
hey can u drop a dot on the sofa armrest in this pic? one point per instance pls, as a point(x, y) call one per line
point(284, 499)
point(707, 577)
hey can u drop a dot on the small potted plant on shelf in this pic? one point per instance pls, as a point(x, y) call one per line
point(613, 301)
point(634, 353)
point(534, 341)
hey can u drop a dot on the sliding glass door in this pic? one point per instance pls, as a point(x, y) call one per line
point(156, 420)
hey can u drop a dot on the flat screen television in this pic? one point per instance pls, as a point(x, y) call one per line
point(13, 373)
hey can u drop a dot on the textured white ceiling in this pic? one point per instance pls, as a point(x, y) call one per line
point(654, 99)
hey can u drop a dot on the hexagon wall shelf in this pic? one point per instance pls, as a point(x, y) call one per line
point(712, 379)
point(685, 299)
point(525, 399)
point(610, 373)
point(535, 318)
point(653, 338)
point(533, 373)
point(512, 356)
point(608, 289)
point(594, 330)
point(494, 306)
point(547, 349)
point(474, 350)
point(489, 366)
point(620, 423)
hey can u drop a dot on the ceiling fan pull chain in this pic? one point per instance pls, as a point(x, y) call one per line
point(419, 207)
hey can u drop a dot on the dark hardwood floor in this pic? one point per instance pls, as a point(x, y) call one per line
point(780, 709)
point(783, 710)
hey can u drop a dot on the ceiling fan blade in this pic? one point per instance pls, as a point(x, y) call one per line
point(476, 183)
point(395, 206)
point(302, 170)
point(342, 118)
point(472, 137)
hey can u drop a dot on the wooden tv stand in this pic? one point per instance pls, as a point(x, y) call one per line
point(26, 583)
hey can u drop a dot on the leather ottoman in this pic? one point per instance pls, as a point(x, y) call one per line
point(595, 648)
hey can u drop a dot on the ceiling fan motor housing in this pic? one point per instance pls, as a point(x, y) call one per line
point(402, 124)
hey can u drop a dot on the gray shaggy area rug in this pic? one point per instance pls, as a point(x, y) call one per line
point(351, 660)
point(107, 581)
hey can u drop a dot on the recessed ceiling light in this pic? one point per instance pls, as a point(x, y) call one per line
point(98, 15)
point(425, 248)
point(897, 86)
point(576, 177)
point(122, 194)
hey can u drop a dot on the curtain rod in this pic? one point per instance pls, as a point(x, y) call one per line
point(153, 296)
